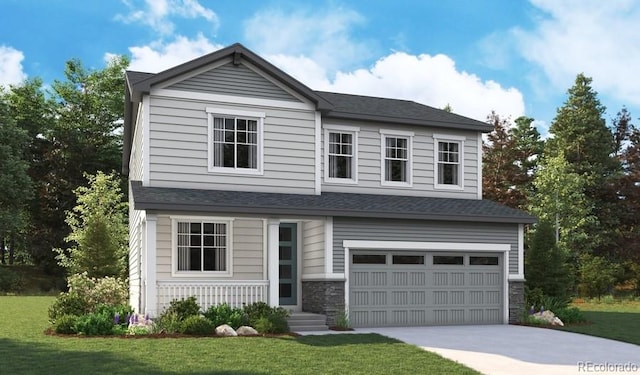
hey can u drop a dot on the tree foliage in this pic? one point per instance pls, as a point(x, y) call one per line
point(99, 235)
point(545, 264)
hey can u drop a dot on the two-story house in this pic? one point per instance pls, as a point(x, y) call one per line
point(246, 185)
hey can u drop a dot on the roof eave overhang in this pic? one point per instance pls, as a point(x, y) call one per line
point(481, 127)
point(304, 211)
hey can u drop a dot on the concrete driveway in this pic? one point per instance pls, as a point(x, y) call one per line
point(507, 349)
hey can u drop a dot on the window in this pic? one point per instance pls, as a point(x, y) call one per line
point(369, 259)
point(449, 157)
point(396, 158)
point(202, 246)
point(448, 259)
point(235, 141)
point(483, 261)
point(341, 154)
point(408, 259)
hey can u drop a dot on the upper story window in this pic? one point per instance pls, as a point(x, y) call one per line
point(396, 158)
point(449, 161)
point(235, 141)
point(341, 154)
point(201, 246)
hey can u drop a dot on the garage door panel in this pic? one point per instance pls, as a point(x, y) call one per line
point(427, 294)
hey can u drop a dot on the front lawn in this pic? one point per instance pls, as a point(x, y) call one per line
point(24, 349)
point(618, 320)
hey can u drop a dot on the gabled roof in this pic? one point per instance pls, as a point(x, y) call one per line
point(327, 204)
point(332, 105)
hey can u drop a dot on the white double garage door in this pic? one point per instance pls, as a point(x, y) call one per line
point(400, 288)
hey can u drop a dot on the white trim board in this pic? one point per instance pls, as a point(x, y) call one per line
point(428, 246)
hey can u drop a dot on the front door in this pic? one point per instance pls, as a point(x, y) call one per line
point(288, 265)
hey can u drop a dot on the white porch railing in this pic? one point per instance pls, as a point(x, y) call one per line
point(210, 293)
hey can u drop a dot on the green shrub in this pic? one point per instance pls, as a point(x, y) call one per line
point(86, 294)
point(273, 323)
point(342, 319)
point(65, 324)
point(67, 304)
point(225, 314)
point(197, 325)
point(167, 322)
point(570, 315)
point(184, 308)
point(258, 310)
point(95, 324)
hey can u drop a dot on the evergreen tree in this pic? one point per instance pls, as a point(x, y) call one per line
point(98, 226)
point(499, 171)
point(545, 263)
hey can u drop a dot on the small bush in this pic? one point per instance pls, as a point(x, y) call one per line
point(184, 308)
point(86, 294)
point(95, 324)
point(65, 324)
point(197, 325)
point(225, 314)
point(256, 311)
point(570, 315)
point(67, 304)
point(167, 322)
point(273, 323)
point(342, 319)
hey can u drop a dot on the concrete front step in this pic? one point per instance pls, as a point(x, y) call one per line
point(303, 321)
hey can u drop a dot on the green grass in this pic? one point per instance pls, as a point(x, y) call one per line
point(24, 349)
point(613, 320)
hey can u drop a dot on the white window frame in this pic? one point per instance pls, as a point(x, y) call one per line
point(384, 134)
point(248, 115)
point(174, 246)
point(437, 138)
point(354, 159)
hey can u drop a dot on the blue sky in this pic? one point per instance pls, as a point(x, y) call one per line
point(514, 57)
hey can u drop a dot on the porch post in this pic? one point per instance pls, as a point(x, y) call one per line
point(151, 287)
point(273, 247)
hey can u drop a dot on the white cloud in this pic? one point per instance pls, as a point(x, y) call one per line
point(157, 14)
point(11, 72)
point(430, 80)
point(159, 55)
point(323, 36)
point(598, 38)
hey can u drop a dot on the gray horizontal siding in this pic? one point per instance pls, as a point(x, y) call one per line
point(179, 149)
point(422, 231)
point(313, 247)
point(238, 80)
point(369, 155)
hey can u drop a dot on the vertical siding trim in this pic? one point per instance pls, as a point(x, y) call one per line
point(273, 250)
point(328, 245)
point(521, 250)
point(318, 154)
point(265, 245)
point(151, 292)
point(479, 165)
point(505, 289)
point(146, 160)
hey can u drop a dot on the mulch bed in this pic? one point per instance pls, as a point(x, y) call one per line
point(50, 332)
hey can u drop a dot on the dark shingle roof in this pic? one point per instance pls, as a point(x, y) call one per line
point(327, 204)
point(396, 111)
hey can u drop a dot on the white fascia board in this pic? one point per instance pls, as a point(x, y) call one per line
point(438, 246)
point(146, 152)
point(324, 276)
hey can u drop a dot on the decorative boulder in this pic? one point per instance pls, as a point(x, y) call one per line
point(246, 331)
point(225, 330)
point(548, 317)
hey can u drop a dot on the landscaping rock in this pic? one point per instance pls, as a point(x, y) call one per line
point(246, 331)
point(225, 330)
point(549, 317)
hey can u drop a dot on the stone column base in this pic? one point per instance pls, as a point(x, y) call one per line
point(516, 300)
point(324, 297)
